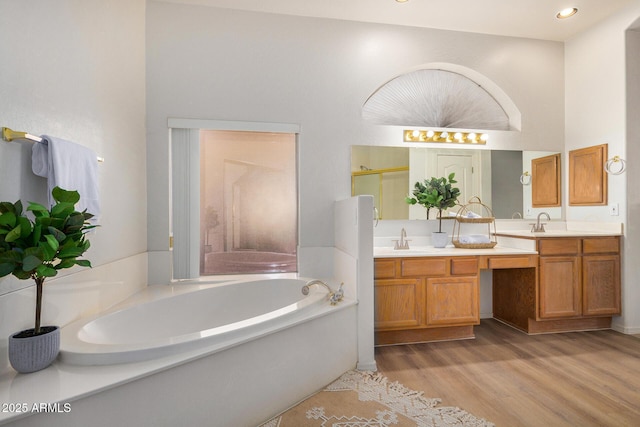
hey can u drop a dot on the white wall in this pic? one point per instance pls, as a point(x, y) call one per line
point(75, 69)
point(597, 96)
point(353, 265)
point(210, 63)
point(631, 293)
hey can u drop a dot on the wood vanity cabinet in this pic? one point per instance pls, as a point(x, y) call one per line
point(425, 298)
point(579, 277)
point(601, 293)
point(560, 284)
point(576, 286)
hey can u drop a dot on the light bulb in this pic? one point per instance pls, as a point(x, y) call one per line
point(484, 137)
point(430, 134)
point(566, 13)
point(415, 134)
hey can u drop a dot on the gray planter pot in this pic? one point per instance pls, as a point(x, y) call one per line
point(439, 239)
point(33, 353)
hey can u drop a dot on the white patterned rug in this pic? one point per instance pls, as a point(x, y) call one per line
point(368, 399)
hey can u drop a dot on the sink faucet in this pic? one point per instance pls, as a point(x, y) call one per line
point(403, 243)
point(537, 227)
point(334, 296)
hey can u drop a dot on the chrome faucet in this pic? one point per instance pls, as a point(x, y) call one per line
point(334, 296)
point(537, 227)
point(403, 243)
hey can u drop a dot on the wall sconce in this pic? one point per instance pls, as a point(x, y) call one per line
point(444, 136)
point(525, 178)
point(620, 165)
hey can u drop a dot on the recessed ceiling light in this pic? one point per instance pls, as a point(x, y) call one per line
point(566, 13)
point(402, 1)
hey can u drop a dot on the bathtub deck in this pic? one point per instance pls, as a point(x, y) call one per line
point(63, 383)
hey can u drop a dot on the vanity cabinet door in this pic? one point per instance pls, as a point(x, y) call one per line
point(398, 303)
point(601, 286)
point(545, 181)
point(587, 179)
point(452, 301)
point(560, 287)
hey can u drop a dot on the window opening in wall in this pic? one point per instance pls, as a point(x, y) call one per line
point(248, 202)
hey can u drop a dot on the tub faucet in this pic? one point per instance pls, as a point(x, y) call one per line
point(403, 243)
point(537, 227)
point(334, 296)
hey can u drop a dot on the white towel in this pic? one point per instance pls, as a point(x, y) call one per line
point(69, 166)
point(475, 238)
point(469, 214)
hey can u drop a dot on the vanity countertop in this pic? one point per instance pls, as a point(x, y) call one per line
point(526, 234)
point(513, 239)
point(450, 250)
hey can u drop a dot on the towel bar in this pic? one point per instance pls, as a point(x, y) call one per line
point(10, 134)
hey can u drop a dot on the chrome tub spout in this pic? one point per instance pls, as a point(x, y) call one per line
point(333, 296)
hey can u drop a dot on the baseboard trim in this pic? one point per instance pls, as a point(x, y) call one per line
point(627, 330)
point(367, 366)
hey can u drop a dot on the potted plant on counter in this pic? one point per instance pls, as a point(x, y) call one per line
point(37, 249)
point(436, 193)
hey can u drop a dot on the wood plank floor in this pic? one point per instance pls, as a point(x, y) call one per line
point(513, 379)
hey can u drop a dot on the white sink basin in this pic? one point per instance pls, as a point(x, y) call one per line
point(413, 251)
point(553, 233)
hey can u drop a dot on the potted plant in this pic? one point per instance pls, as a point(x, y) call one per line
point(210, 222)
point(436, 193)
point(37, 249)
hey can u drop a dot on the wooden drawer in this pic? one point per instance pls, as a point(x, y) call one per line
point(426, 266)
point(384, 268)
point(464, 266)
point(512, 262)
point(559, 246)
point(601, 245)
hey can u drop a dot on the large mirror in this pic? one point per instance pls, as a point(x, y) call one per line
point(500, 178)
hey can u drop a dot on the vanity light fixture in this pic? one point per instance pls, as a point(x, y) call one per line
point(444, 136)
point(567, 13)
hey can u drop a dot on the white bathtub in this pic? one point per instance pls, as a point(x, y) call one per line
point(166, 320)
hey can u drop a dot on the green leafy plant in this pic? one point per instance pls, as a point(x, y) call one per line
point(436, 193)
point(39, 248)
point(210, 221)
